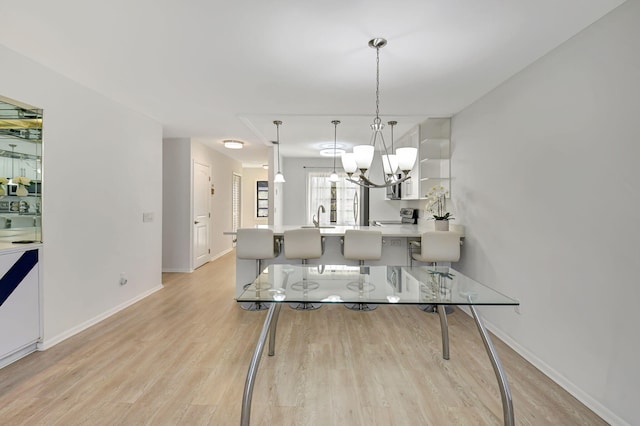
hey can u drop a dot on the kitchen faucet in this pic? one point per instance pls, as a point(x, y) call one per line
point(316, 222)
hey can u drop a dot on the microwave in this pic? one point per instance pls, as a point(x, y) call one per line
point(34, 188)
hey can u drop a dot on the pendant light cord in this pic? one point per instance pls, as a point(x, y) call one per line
point(278, 123)
point(335, 138)
point(377, 119)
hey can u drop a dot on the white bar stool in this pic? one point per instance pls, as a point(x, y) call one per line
point(361, 245)
point(437, 246)
point(258, 244)
point(304, 244)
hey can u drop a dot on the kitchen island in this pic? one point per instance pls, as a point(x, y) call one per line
point(396, 241)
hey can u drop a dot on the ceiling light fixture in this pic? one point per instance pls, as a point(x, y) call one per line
point(279, 177)
point(231, 144)
point(334, 176)
point(362, 156)
point(330, 152)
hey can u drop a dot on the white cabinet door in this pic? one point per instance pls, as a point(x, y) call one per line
point(20, 298)
point(434, 154)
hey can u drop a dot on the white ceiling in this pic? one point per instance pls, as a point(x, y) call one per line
point(216, 70)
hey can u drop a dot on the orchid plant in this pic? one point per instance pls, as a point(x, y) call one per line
point(4, 181)
point(436, 203)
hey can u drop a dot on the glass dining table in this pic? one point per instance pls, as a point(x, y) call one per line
point(440, 286)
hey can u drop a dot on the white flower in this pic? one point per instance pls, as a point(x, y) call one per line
point(436, 201)
point(4, 181)
point(21, 180)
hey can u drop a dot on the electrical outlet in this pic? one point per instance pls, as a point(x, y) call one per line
point(123, 278)
point(396, 242)
point(147, 217)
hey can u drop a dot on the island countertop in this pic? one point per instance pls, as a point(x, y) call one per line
point(387, 230)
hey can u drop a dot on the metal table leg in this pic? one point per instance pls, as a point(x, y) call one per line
point(505, 393)
point(253, 367)
point(272, 330)
point(444, 327)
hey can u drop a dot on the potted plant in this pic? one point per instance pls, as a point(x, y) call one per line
point(436, 206)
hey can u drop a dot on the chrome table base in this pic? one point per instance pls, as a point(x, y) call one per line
point(505, 393)
point(270, 325)
point(433, 309)
point(254, 306)
point(305, 306)
point(362, 307)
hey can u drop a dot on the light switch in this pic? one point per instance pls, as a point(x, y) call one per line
point(147, 217)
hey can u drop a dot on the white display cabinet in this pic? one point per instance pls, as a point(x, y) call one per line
point(433, 165)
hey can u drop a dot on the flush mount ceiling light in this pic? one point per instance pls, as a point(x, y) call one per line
point(231, 144)
point(279, 177)
point(330, 152)
point(362, 155)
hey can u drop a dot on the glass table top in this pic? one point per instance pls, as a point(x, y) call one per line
point(439, 285)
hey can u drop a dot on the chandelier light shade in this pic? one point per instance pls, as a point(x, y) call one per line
point(389, 164)
point(334, 176)
point(349, 163)
point(279, 177)
point(362, 156)
point(406, 158)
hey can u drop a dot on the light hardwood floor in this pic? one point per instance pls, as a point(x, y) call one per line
point(181, 355)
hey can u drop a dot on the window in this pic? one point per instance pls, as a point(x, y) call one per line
point(262, 198)
point(336, 197)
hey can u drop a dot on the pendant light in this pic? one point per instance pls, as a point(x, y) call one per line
point(279, 177)
point(362, 155)
point(334, 176)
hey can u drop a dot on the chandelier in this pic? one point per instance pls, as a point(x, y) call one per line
point(362, 156)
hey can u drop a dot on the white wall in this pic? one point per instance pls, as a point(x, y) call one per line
point(176, 205)
point(222, 169)
point(102, 169)
point(249, 204)
point(546, 180)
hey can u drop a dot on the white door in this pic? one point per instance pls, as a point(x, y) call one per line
point(201, 214)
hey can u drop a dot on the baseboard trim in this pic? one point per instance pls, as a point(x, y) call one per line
point(222, 253)
point(211, 259)
point(182, 270)
point(591, 403)
point(20, 353)
point(49, 343)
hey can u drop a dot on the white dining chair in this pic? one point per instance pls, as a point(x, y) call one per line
point(259, 245)
point(361, 245)
point(303, 244)
point(437, 246)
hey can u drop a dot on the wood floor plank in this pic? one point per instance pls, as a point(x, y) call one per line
point(181, 355)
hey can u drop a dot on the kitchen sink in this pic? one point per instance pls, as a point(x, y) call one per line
point(319, 227)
